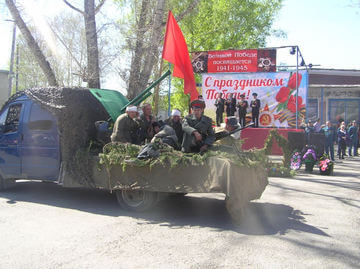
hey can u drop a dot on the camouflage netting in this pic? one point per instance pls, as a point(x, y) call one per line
point(76, 110)
point(241, 177)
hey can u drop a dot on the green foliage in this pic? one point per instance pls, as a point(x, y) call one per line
point(224, 24)
point(283, 144)
point(279, 170)
point(126, 154)
point(179, 100)
point(30, 73)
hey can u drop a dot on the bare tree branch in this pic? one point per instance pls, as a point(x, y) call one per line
point(99, 6)
point(187, 11)
point(74, 8)
point(33, 45)
point(102, 27)
point(66, 47)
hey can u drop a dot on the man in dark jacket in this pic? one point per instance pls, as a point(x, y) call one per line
point(353, 138)
point(220, 105)
point(175, 122)
point(198, 132)
point(242, 105)
point(230, 104)
point(125, 127)
point(146, 121)
point(330, 138)
point(255, 109)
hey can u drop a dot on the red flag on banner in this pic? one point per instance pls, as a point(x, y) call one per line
point(176, 52)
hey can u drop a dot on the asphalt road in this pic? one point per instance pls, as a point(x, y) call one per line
point(309, 221)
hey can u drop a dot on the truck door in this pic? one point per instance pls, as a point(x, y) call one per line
point(10, 137)
point(40, 144)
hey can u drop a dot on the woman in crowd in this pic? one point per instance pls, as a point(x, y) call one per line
point(341, 138)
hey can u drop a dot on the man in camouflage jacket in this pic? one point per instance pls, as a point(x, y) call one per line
point(198, 131)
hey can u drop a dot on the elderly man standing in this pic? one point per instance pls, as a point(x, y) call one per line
point(198, 132)
point(255, 109)
point(125, 127)
point(220, 105)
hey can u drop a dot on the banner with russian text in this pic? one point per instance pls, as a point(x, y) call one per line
point(234, 61)
point(276, 91)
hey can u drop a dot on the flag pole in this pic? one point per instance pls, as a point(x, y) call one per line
point(169, 93)
point(156, 92)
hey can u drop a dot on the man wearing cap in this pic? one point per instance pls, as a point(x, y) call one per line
point(125, 127)
point(353, 138)
point(175, 122)
point(242, 105)
point(146, 121)
point(220, 105)
point(198, 132)
point(255, 109)
point(230, 104)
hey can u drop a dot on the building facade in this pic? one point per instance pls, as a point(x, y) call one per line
point(334, 95)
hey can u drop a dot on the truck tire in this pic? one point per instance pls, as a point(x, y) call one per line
point(236, 209)
point(137, 200)
point(6, 183)
point(2, 184)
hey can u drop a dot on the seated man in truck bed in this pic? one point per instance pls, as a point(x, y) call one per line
point(175, 122)
point(126, 128)
point(198, 131)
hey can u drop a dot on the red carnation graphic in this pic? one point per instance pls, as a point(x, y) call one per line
point(282, 94)
point(292, 104)
point(292, 81)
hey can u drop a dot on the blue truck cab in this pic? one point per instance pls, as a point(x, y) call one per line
point(29, 141)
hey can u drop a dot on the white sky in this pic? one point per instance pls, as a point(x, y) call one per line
point(326, 31)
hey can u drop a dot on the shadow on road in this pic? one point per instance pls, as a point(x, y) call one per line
point(259, 218)
point(332, 181)
point(191, 210)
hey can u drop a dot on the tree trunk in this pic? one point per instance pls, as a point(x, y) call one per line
point(143, 63)
point(34, 47)
point(134, 87)
point(93, 72)
point(154, 44)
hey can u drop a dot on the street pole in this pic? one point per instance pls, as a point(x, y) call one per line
point(17, 69)
point(156, 91)
point(12, 59)
point(297, 88)
point(169, 93)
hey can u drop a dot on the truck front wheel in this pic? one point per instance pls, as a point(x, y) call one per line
point(6, 183)
point(137, 200)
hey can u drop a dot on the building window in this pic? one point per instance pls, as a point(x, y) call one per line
point(344, 110)
point(312, 109)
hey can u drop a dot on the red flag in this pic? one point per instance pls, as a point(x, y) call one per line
point(176, 52)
